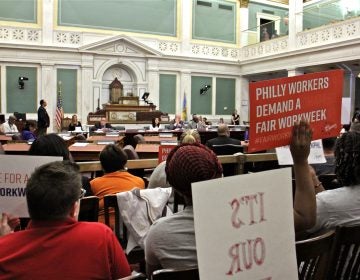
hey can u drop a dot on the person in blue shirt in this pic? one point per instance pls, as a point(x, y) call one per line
point(28, 131)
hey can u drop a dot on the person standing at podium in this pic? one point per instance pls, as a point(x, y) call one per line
point(43, 119)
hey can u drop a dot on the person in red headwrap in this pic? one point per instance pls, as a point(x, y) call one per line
point(170, 242)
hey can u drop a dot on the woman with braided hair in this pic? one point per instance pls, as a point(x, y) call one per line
point(340, 207)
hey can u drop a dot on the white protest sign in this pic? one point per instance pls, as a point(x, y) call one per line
point(244, 227)
point(15, 171)
point(316, 154)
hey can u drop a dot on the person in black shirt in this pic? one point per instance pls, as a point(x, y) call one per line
point(43, 119)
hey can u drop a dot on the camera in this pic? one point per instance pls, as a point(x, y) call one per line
point(21, 82)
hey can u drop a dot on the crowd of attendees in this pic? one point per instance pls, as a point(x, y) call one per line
point(54, 191)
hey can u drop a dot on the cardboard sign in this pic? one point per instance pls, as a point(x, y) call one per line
point(164, 150)
point(15, 171)
point(244, 228)
point(275, 106)
point(316, 154)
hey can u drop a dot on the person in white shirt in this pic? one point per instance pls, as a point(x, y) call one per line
point(155, 126)
point(9, 126)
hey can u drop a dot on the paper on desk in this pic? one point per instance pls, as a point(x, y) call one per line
point(80, 144)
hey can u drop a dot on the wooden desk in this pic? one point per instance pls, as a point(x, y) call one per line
point(4, 139)
point(156, 139)
point(104, 138)
point(16, 148)
point(88, 152)
point(147, 150)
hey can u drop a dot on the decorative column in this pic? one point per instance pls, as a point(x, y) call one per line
point(186, 32)
point(154, 82)
point(295, 21)
point(86, 99)
point(242, 94)
point(244, 23)
point(48, 91)
point(47, 21)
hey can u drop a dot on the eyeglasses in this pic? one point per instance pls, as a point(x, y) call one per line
point(82, 193)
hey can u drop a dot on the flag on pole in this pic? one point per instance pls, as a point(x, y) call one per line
point(59, 109)
point(184, 109)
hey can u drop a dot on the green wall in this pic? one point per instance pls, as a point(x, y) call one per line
point(21, 100)
point(18, 10)
point(154, 17)
point(225, 96)
point(214, 20)
point(200, 104)
point(167, 93)
point(68, 78)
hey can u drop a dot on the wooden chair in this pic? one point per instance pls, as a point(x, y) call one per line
point(345, 257)
point(111, 205)
point(228, 149)
point(65, 123)
point(313, 255)
point(191, 273)
point(89, 209)
point(137, 276)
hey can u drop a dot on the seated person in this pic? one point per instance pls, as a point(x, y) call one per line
point(155, 124)
point(193, 123)
point(54, 146)
point(74, 123)
point(10, 126)
point(205, 120)
point(116, 179)
point(329, 166)
point(102, 125)
point(28, 132)
point(55, 245)
point(177, 123)
point(223, 137)
point(170, 243)
point(340, 207)
point(158, 176)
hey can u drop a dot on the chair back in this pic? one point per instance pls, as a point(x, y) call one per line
point(111, 206)
point(345, 261)
point(313, 255)
point(136, 256)
point(227, 149)
point(130, 152)
point(176, 274)
point(89, 209)
point(329, 181)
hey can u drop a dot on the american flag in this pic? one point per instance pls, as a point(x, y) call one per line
point(59, 109)
point(184, 109)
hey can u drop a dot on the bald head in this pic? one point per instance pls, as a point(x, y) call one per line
point(223, 130)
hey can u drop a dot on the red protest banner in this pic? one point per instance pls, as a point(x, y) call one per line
point(275, 105)
point(164, 151)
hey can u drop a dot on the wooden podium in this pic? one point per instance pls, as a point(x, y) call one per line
point(116, 113)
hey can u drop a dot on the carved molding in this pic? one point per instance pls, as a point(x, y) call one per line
point(20, 34)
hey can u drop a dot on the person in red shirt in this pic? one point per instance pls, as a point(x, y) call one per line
point(55, 245)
